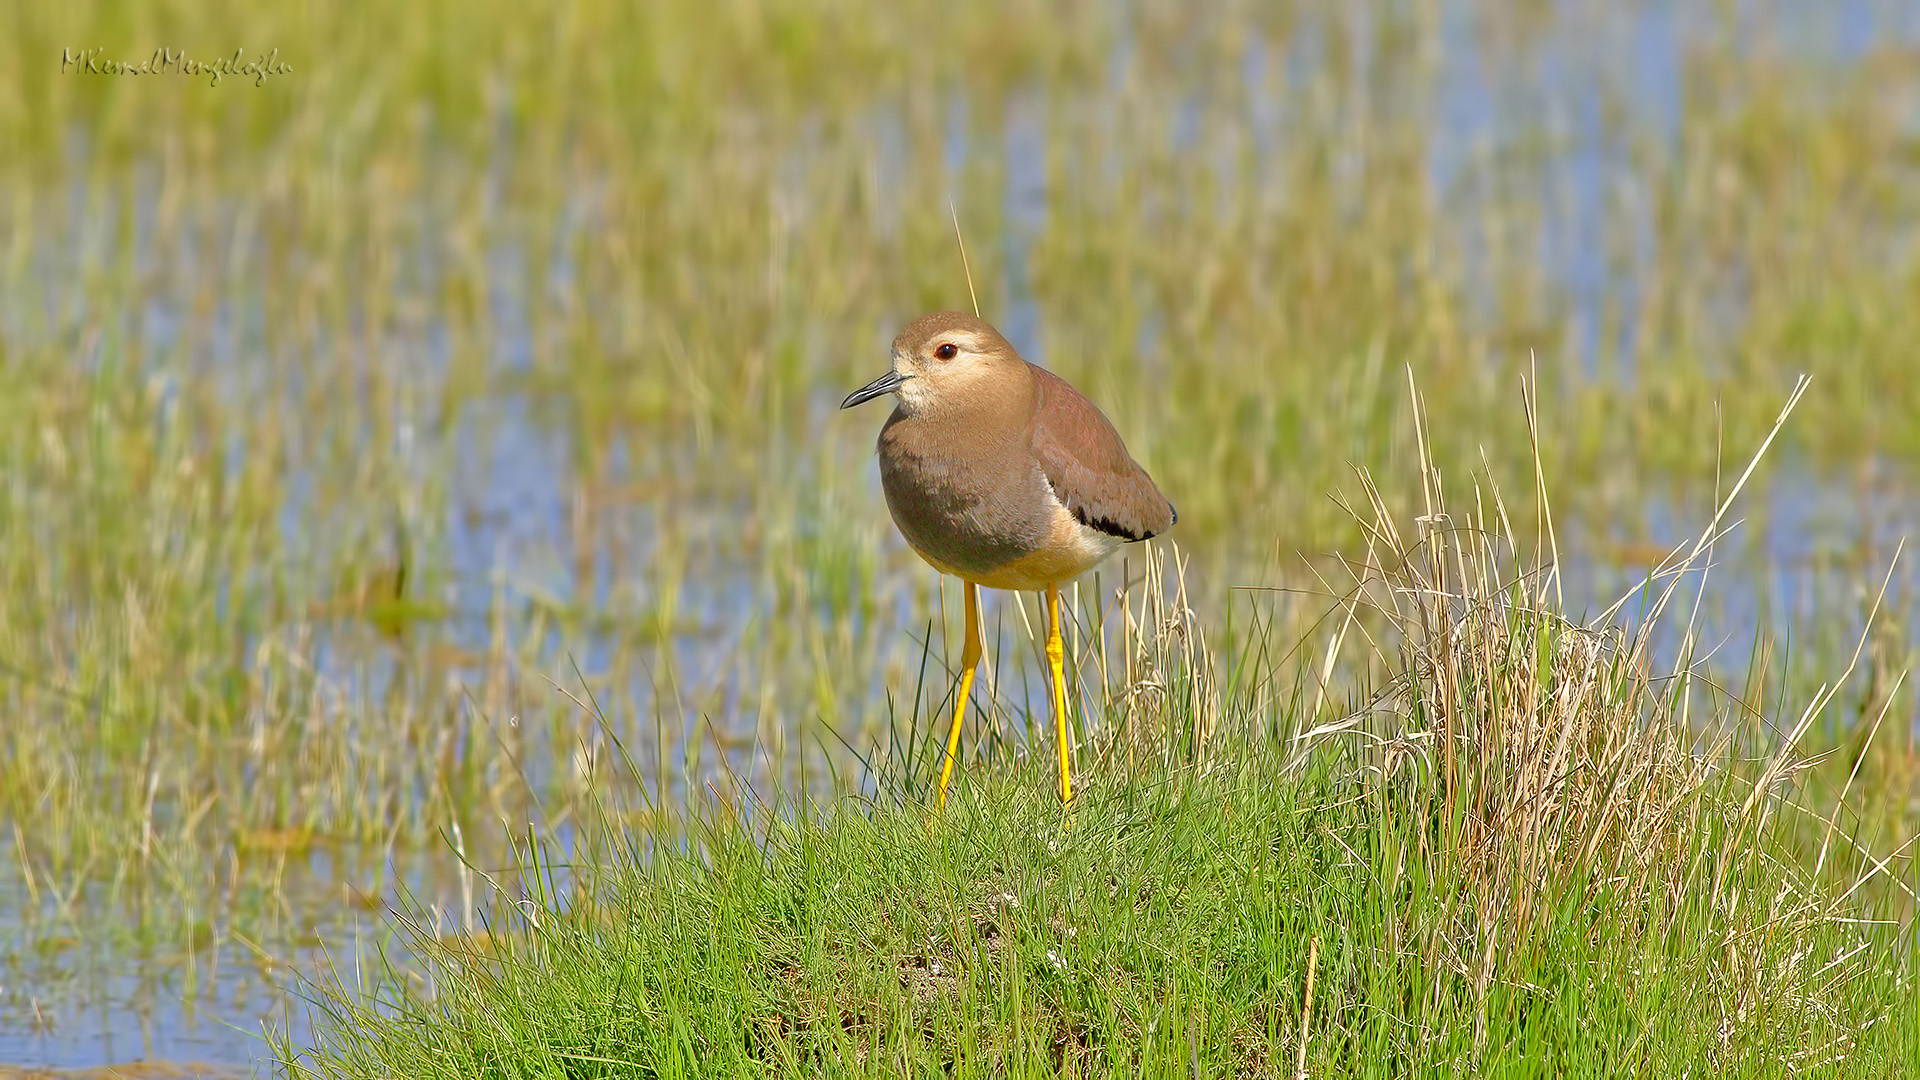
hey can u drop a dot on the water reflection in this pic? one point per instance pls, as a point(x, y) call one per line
point(527, 532)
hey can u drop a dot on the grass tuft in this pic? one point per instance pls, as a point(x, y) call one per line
point(1530, 851)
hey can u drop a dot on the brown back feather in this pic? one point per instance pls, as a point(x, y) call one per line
point(1088, 466)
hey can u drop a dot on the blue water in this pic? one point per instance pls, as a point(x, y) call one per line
point(1604, 83)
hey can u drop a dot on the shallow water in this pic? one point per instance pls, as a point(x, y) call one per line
point(667, 534)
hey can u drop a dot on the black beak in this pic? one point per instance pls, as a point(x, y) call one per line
point(885, 384)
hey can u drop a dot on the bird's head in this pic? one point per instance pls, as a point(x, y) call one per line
point(942, 359)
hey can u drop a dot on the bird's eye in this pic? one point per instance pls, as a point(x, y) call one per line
point(946, 351)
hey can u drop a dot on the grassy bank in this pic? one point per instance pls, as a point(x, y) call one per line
point(343, 416)
point(1166, 930)
point(1526, 850)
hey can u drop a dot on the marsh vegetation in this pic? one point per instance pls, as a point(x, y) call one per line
point(421, 471)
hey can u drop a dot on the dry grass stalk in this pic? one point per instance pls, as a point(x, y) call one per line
point(1552, 758)
point(1167, 701)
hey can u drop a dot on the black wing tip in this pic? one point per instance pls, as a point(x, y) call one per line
point(1173, 518)
point(1107, 525)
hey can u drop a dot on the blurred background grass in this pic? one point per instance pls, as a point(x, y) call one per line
point(340, 413)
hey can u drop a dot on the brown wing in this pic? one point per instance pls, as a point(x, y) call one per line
point(1089, 468)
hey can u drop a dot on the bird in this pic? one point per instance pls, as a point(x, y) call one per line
point(998, 472)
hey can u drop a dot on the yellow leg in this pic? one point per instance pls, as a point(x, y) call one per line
point(969, 660)
point(1056, 659)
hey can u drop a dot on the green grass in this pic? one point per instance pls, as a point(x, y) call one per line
point(1526, 851)
point(1164, 929)
point(266, 607)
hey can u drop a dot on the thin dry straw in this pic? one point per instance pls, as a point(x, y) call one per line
point(963, 258)
point(1778, 767)
point(1857, 762)
point(1529, 398)
point(1306, 1010)
point(1711, 533)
